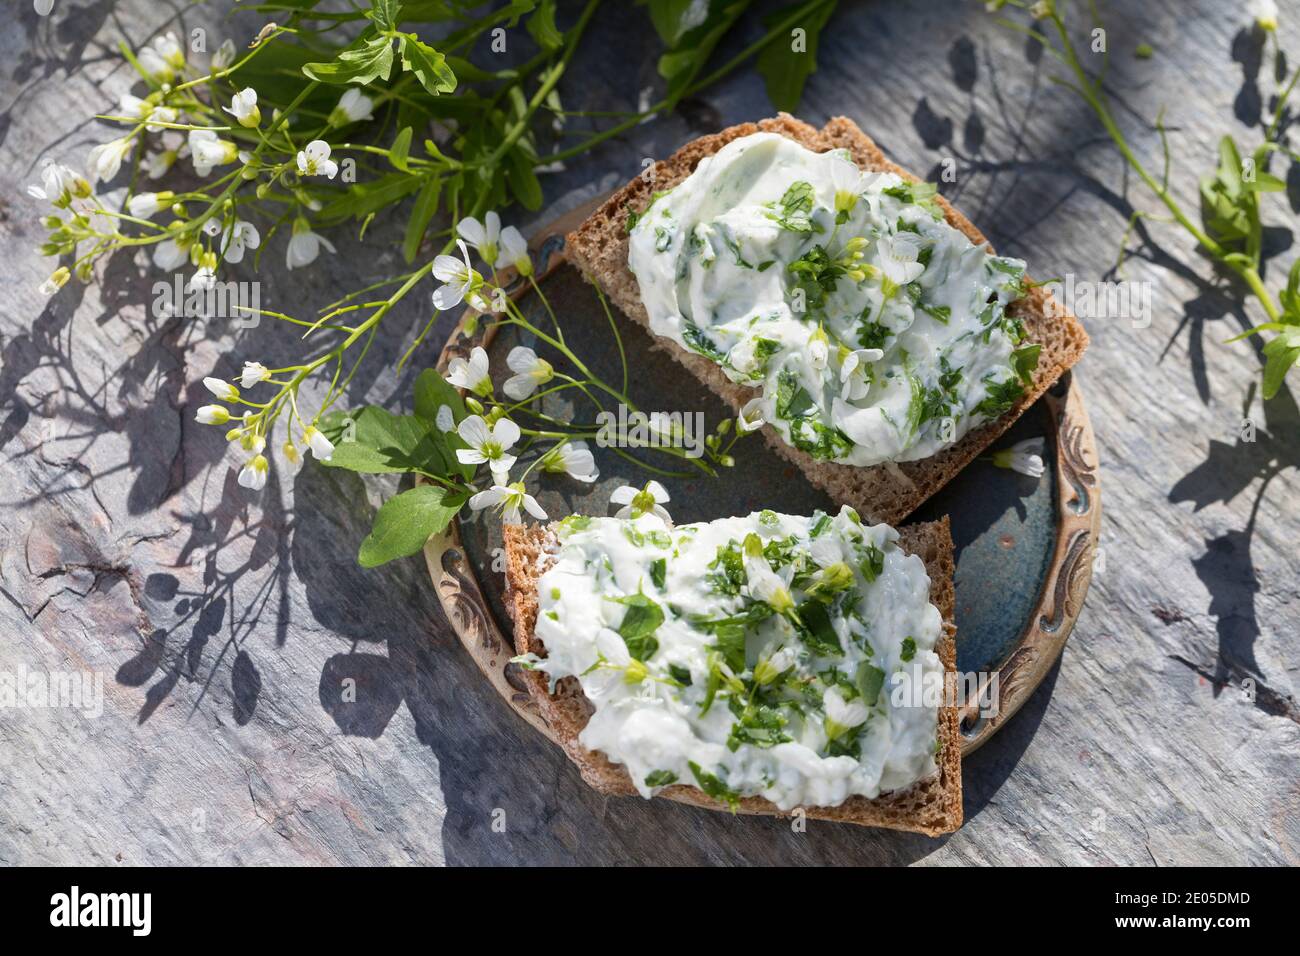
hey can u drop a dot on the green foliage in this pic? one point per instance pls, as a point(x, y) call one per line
point(405, 522)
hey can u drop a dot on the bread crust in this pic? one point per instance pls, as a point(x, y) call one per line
point(932, 806)
point(887, 492)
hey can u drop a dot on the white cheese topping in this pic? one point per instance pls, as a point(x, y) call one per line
point(875, 331)
point(768, 655)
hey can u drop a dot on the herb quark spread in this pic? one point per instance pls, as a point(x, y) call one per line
point(769, 655)
point(874, 330)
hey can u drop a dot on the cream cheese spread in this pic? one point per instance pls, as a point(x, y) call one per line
point(770, 655)
point(874, 330)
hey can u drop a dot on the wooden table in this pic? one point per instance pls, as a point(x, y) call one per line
point(223, 627)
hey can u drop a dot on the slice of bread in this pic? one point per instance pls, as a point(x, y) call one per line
point(931, 806)
point(881, 493)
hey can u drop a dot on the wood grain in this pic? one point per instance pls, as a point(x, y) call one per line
point(226, 629)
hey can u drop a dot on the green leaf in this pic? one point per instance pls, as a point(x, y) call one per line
point(362, 199)
point(660, 778)
point(714, 787)
point(432, 391)
point(522, 179)
point(429, 66)
point(690, 41)
point(869, 679)
point(426, 205)
point(385, 13)
point(640, 621)
point(374, 441)
point(784, 68)
point(541, 27)
point(1281, 356)
point(401, 150)
point(1025, 361)
point(818, 633)
point(362, 62)
point(405, 522)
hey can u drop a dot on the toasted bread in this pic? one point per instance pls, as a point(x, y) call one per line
point(881, 493)
point(932, 806)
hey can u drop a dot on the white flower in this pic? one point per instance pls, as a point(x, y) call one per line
point(212, 415)
point(208, 150)
point(224, 56)
point(488, 444)
point(239, 236)
point(144, 205)
point(315, 160)
point(322, 449)
point(174, 146)
point(137, 108)
point(842, 715)
point(445, 419)
point(243, 107)
point(819, 349)
point(514, 252)
point(458, 277)
point(751, 415)
point(253, 474)
point(846, 178)
point(472, 374)
point(222, 389)
point(649, 500)
point(1025, 457)
point(105, 159)
point(898, 258)
point(59, 185)
point(483, 236)
point(573, 458)
point(511, 499)
point(304, 245)
point(171, 254)
point(163, 59)
point(253, 373)
point(530, 372)
point(353, 107)
point(57, 280)
point(855, 386)
point(1265, 12)
point(765, 584)
point(291, 455)
point(203, 279)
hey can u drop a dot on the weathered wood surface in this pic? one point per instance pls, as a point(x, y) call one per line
point(222, 626)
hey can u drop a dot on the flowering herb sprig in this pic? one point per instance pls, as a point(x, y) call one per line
point(1230, 230)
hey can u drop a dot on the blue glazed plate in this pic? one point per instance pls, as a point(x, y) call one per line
point(1024, 547)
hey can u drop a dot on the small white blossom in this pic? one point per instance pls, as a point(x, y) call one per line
point(155, 116)
point(204, 278)
point(212, 415)
point(483, 236)
point(764, 584)
point(57, 280)
point(208, 151)
point(105, 159)
point(243, 107)
point(322, 449)
point(224, 56)
point(472, 374)
point(648, 500)
point(353, 107)
point(488, 444)
point(315, 160)
point(853, 384)
point(846, 179)
point(530, 372)
point(163, 59)
point(1025, 457)
point(156, 164)
point(253, 474)
point(253, 373)
point(170, 254)
point(221, 388)
point(1265, 13)
point(511, 499)
point(144, 205)
point(842, 715)
point(59, 185)
point(573, 458)
point(898, 258)
point(240, 235)
point(304, 245)
point(514, 252)
point(458, 279)
point(751, 415)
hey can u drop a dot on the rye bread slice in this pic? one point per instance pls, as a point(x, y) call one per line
point(932, 806)
point(881, 493)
